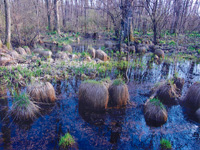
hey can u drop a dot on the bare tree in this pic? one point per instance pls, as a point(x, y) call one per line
point(176, 15)
point(48, 14)
point(64, 12)
point(127, 15)
point(157, 10)
point(56, 13)
point(8, 24)
point(31, 17)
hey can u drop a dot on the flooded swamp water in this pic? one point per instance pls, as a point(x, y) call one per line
point(116, 129)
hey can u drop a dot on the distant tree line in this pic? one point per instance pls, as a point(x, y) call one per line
point(27, 19)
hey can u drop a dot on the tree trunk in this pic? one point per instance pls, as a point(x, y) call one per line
point(66, 13)
point(56, 13)
point(38, 20)
point(48, 15)
point(76, 14)
point(8, 24)
point(144, 29)
point(154, 11)
point(185, 15)
point(85, 15)
point(177, 8)
point(63, 6)
point(128, 24)
point(154, 31)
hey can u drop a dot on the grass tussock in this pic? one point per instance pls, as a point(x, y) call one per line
point(93, 96)
point(101, 55)
point(192, 98)
point(107, 82)
point(42, 92)
point(155, 113)
point(66, 141)
point(165, 144)
point(119, 94)
point(167, 94)
point(23, 108)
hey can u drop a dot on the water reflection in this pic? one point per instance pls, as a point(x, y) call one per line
point(93, 118)
point(116, 121)
point(5, 120)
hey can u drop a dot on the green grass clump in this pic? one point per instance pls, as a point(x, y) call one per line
point(150, 33)
point(157, 102)
point(66, 140)
point(52, 33)
point(136, 32)
point(198, 51)
point(85, 54)
point(191, 48)
point(107, 79)
point(171, 81)
point(194, 34)
point(103, 48)
point(165, 144)
point(25, 47)
point(172, 43)
point(162, 42)
point(22, 100)
point(92, 82)
point(23, 108)
point(118, 82)
point(176, 75)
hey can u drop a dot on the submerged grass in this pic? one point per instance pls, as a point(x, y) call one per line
point(165, 144)
point(66, 140)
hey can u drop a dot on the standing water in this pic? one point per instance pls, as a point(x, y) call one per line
point(116, 129)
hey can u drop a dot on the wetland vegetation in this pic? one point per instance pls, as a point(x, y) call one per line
point(120, 74)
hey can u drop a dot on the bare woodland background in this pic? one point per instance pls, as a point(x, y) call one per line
point(29, 18)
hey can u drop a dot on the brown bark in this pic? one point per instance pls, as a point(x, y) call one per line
point(127, 19)
point(176, 15)
point(56, 13)
point(8, 24)
point(64, 12)
point(48, 14)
